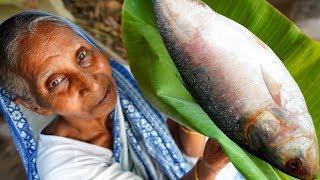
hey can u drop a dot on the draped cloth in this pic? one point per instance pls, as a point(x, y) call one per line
point(142, 142)
point(149, 140)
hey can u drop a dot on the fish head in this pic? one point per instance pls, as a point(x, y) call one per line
point(285, 141)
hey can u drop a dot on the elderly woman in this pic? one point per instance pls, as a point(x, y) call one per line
point(104, 128)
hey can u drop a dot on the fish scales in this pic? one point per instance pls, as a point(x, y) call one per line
point(241, 84)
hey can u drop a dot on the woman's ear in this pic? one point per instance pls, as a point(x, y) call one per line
point(35, 108)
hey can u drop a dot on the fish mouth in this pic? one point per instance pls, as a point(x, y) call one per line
point(286, 147)
point(298, 157)
point(295, 166)
point(302, 158)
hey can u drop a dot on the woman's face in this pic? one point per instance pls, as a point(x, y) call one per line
point(66, 74)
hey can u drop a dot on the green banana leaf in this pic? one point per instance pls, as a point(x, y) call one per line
point(160, 81)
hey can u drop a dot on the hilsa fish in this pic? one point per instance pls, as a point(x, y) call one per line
point(241, 84)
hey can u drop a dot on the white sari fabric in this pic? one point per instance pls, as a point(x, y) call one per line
point(64, 158)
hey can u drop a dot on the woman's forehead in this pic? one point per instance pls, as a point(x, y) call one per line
point(53, 35)
point(48, 41)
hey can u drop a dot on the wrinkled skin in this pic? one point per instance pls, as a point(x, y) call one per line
point(241, 84)
point(68, 77)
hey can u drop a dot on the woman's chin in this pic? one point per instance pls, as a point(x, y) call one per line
point(106, 105)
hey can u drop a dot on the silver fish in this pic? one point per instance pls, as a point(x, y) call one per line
point(241, 84)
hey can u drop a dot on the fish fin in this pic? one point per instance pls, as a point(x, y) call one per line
point(273, 87)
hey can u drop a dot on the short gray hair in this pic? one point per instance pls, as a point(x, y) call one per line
point(11, 32)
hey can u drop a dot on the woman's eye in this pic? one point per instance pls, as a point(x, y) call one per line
point(82, 55)
point(56, 82)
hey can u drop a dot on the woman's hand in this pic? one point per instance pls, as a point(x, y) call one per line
point(213, 160)
point(210, 164)
point(194, 144)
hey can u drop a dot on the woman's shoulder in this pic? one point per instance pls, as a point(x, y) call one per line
point(62, 145)
point(65, 158)
point(56, 153)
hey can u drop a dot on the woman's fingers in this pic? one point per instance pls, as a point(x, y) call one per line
point(214, 156)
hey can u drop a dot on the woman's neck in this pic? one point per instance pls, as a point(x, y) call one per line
point(96, 131)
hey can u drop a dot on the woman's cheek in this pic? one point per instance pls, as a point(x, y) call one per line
point(66, 105)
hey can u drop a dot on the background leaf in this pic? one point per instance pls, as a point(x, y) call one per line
point(161, 84)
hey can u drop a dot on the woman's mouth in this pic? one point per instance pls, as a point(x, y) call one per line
point(105, 101)
point(102, 101)
point(105, 97)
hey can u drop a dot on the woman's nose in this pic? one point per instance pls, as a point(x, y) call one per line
point(88, 83)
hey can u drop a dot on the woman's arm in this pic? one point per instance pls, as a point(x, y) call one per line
point(191, 142)
point(194, 144)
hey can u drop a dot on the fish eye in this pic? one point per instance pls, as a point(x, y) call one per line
point(295, 165)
